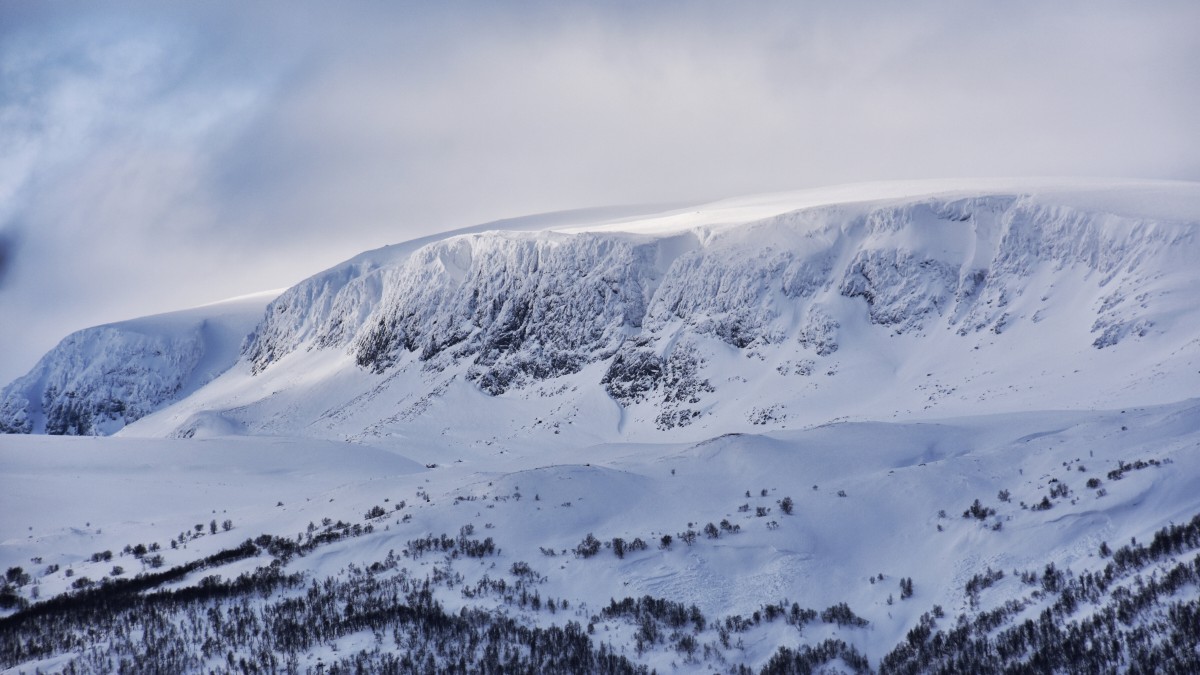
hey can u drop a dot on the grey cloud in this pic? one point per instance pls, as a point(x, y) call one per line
point(8, 246)
point(160, 155)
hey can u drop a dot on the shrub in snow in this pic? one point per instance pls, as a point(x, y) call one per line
point(589, 547)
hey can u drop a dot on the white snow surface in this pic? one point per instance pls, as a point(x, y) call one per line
point(883, 355)
point(108, 493)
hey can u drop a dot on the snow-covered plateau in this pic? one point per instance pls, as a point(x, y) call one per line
point(903, 427)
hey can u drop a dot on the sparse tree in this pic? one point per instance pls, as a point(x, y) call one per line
point(17, 576)
point(589, 547)
point(618, 547)
point(979, 511)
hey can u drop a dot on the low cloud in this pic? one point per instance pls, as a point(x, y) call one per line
point(158, 156)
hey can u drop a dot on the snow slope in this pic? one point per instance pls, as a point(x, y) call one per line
point(873, 503)
point(99, 379)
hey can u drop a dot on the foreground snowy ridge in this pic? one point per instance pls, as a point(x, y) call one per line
point(1045, 541)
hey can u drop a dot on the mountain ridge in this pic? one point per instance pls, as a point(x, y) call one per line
point(951, 433)
point(514, 311)
point(649, 305)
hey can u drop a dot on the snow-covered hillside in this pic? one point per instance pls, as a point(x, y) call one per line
point(905, 300)
point(911, 546)
point(919, 427)
point(99, 379)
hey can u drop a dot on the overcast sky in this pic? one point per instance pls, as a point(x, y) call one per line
point(161, 155)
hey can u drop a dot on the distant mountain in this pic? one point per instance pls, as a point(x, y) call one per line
point(100, 379)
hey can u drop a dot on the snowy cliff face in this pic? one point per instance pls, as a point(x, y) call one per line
point(100, 379)
point(782, 311)
point(320, 312)
point(659, 311)
point(517, 307)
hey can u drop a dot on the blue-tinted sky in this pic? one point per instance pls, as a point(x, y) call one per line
point(159, 155)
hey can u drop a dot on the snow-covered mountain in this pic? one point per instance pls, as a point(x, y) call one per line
point(919, 427)
point(772, 312)
point(100, 379)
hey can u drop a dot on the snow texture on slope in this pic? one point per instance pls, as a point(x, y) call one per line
point(514, 309)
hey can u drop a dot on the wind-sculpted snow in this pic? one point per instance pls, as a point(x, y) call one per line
point(900, 290)
point(322, 312)
point(733, 293)
point(517, 308)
